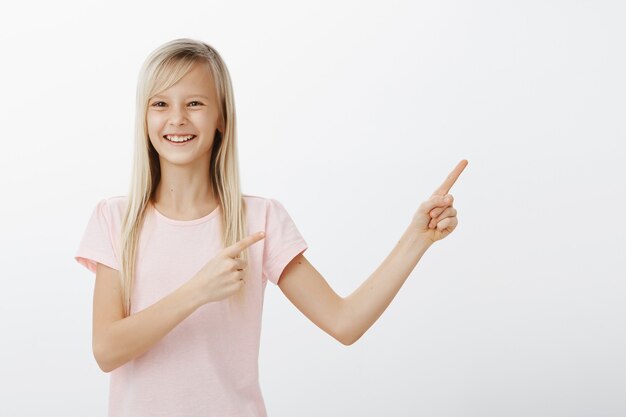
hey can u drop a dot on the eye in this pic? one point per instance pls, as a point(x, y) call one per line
point(158, 103)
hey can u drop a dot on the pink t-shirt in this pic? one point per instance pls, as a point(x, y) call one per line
point(207, 365)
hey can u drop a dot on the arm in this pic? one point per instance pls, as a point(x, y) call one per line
point(118, 339)
point(367, 303)
point(434, 220)
point(347, 319)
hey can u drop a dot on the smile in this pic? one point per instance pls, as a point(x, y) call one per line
point(179, 139)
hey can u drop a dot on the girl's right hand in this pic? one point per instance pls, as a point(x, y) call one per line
point(223, 275)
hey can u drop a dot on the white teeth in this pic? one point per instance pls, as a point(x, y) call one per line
point(178, 138)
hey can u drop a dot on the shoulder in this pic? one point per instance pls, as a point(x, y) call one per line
point(272, 210)
point(117, 200)
point(263, 204)
point(256, 202)
point(114, 207)
point(253, 198)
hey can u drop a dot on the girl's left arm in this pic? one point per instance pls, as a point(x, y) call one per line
point(347, 319)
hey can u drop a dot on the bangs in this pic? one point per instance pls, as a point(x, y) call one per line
point(169, 72)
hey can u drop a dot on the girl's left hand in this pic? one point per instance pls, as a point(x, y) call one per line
point(435, 217)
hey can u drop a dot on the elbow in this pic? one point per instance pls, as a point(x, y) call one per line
point(105, 365)
point(347, 339)
point(101, 361)
point(346, 336)
point(346, 342)
point(104, 368)
point(345, 331)
point(101, 357)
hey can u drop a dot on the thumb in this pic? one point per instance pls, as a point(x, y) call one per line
point(436, 201)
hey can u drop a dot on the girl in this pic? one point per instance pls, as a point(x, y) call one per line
point(182, 262)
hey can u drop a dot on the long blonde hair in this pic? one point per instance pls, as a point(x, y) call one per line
point(165, 66)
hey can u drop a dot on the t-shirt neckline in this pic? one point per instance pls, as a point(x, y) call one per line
point(177, 222)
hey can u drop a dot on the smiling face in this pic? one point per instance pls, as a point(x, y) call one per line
point(187, 108)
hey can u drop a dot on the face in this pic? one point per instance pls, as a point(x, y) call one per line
point(189, 107)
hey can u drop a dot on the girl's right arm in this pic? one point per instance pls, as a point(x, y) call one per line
point(118, 339)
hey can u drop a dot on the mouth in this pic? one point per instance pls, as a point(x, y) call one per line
point(175, 139)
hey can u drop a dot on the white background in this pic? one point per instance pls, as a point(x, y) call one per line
point(350, 113)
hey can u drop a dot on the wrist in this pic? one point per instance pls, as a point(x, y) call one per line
point(412, 240)
point(191, 294)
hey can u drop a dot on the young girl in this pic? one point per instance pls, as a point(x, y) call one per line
point(182, 262)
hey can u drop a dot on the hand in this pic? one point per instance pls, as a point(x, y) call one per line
point(223, 275)
point(435, 217)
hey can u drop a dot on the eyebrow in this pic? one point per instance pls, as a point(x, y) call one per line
point(192, 95)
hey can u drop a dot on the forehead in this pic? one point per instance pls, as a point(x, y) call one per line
point(198, 81)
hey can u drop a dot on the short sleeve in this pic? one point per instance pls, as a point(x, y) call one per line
point(282, 240)
point(96, 244)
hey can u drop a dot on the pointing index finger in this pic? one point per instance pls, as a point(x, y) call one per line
point(445, 187)
point(234, 249)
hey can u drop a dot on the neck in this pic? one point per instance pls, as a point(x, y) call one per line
point(184, 190)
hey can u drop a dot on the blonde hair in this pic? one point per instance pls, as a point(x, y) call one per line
point(165, 66)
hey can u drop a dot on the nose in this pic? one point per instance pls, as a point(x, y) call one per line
point(177, 116)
